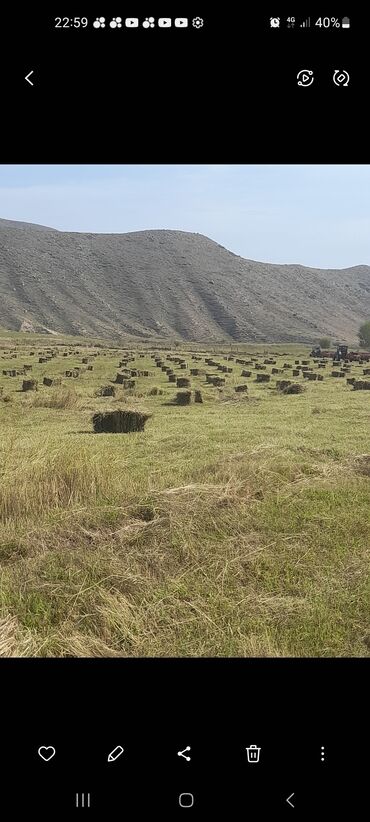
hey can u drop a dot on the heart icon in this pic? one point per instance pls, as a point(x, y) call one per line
point(46, 753)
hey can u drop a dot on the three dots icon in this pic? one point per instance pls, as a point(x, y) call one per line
point(322, 753)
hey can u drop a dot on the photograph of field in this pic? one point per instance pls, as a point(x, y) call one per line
point(167, 495)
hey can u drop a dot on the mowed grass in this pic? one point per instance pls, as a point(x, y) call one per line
point(236, 527)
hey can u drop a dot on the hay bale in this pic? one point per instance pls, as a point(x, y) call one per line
point(183, 382)
point(366, 372)
point(351, 380)
point(120, 378)
point(337, 374)
point(29, 385)
point(287, 365)
point(240, 388)
point(85, 360)
point(194, 372)
point(198, 396)
point(320, 377)
point(229, 370)
point(305, 362)
point(172, 378)
point(361, 385)
point(259, 367)
point(42, 359)
point(296, 372)
point(246, 373)
point(281, 385)
point(183, 398)
point(119, 421)
point(105, 391)
point(48, 381)
point(154, 391)
point(276, 370)
point(294, 388)
point(90, 367)
point(263, 378)
point(311, 376)
point(215, 381)
point(27, 367)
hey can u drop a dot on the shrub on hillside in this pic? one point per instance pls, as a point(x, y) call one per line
point(364, 334)
point(324, 342)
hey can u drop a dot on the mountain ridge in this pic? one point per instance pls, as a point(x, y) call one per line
point(163, 283)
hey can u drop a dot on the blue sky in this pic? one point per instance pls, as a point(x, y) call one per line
point(316, 215)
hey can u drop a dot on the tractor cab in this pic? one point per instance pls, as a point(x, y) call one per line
point(341, 353)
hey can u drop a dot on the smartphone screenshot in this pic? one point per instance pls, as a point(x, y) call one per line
point(184, 412)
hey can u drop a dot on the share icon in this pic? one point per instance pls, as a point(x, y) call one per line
point(182, 753)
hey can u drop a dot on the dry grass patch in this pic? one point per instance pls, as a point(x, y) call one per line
point(227, 529)
point(59, 398)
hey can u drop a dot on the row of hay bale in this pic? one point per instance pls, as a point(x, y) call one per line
point(361, 385)
point(121, 379)
point(184, 397)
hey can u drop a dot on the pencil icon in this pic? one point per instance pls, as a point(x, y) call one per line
point(118, 751)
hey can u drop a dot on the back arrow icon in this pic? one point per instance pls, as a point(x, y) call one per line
point(288, 800)
point(27, 77)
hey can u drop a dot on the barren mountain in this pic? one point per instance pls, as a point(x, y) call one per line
point(157, 284)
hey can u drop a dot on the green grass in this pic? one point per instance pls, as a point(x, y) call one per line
point(236, 527)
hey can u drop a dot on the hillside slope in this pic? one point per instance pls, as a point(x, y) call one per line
point(155, 284)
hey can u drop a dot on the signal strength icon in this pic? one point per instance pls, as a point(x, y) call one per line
point(306, 24)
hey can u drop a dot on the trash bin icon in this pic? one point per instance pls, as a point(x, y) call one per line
point(253, 753)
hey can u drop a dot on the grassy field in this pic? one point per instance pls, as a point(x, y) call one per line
point(235, 527)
